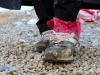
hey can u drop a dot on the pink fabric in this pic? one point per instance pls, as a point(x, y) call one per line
point(65, 27)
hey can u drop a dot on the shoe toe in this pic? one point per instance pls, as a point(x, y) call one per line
point(41, 46)
point(57, 53)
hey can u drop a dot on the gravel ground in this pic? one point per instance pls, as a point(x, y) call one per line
point(17, 49)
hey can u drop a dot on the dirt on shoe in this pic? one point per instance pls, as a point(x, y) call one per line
point(44, 43)
point(58, 54)
point(41, 46)
point(61, 47)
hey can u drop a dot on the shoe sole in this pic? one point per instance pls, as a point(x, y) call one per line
point(70, 59)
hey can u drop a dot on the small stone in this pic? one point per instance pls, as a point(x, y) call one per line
point(80, 72)
point(22, 41)
point(50, 74)
point(71, 69)
point(97, 72)
point(10, 72)
point(2, 73)
point(34, 40)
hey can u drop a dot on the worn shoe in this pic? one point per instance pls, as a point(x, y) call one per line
point(61, 47)
point(44, 43)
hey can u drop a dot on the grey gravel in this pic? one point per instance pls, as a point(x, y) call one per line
point(17, 50)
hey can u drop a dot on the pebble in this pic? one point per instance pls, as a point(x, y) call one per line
point(17, 50)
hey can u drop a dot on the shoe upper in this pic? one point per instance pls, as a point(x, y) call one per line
point(46, 35)
point(61, 46)
point(63, 39)
point(44, 43)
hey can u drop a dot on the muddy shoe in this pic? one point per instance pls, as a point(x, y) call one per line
point(61, 47)
point(44, 43)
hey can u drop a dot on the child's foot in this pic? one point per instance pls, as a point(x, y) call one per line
point(44, 43)
point(61, 47)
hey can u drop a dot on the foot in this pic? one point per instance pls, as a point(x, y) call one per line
point(61, 47)
point(44, 43)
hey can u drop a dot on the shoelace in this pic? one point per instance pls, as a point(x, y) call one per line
point(60, 39)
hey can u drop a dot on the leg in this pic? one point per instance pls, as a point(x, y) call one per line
point(62, 44)
point(90, 6)
point(67, 10)
point(11, 4)
point(44, 11)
